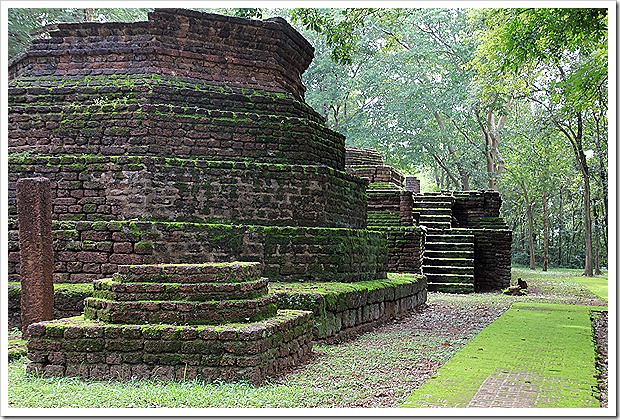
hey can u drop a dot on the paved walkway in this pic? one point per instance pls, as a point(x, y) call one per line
point(506, 389)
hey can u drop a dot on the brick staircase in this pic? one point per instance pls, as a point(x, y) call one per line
point(435, 210)
point(449, 255)
point(449, 261)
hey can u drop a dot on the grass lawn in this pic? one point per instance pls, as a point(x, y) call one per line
point(597, 285)
point(549, 346)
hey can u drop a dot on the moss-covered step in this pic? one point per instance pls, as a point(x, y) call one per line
point(451, 237)
point(237, 279)
point(344, 309)
point(451, 287)
point(430, 254)
point(448, 246)
point(124, 291)
point(240, 351)
point(444, 268)
point(450, 262)
point(238, 271)
point(180, 312)
point(382, 219)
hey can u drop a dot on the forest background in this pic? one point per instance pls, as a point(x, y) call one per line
point(511, 99)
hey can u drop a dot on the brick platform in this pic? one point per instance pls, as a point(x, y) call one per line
point(133, 338)
point(95, 350)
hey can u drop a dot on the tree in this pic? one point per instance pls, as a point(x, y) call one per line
point(409, 86)
point(558, 60)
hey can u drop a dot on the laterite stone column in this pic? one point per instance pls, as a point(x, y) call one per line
point(34, 215)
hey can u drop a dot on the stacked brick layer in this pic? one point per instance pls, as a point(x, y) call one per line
point(228, 50)
point(166, 116)
point(86, 251)
point(339, 309)
point(188, 117)
point(170, 189)
point(379, 176)
point(98, 351)
point(232, 281)
point(362, 157)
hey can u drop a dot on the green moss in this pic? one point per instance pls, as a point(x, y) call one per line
point(17, 349)
point(143, 247)
point(516, 343)
point(55, 330)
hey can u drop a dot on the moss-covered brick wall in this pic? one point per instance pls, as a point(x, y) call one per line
point(471, 206)
point(492, 258)
point(379, 174)
point(142, 115)
point(341, 310)
point(94, 350)
point(90, 187)
point(368, 164)
point(86, 251)
point(405, 249)
point(186, 43)
point(384, 204)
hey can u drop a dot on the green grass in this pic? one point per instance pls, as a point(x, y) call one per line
point(549, 344)
point(598, 285)
point(347, 374)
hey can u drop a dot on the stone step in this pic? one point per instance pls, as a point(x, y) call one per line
point(436, 225)
point(451, 287)
point(448, 262)
point(432, 204)
point(439, 211)
point(442, 254)
point(180, 312)
point(433, 197)
point(435, 218)
point(125, 292)
point(232, 272)
point(449, 246)
point(450, 278)
point(449, 237)
point(430, 269)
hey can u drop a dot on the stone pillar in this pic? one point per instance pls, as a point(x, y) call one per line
point(405, 206)
point(412, 184)
point(34, 217)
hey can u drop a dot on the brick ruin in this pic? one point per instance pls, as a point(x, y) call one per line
point(465, 245)
point(184, 142)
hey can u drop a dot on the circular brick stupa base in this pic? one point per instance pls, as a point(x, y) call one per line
point(132, 337)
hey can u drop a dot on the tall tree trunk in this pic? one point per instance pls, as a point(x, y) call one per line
point(576, 140)
point(560, 223)
point(530, 223)
point(89, 15)
point(588, 269)
point(545, 233)
point(597, 253)
point(491, 135)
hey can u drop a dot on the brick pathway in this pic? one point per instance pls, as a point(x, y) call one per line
point(507, 389)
